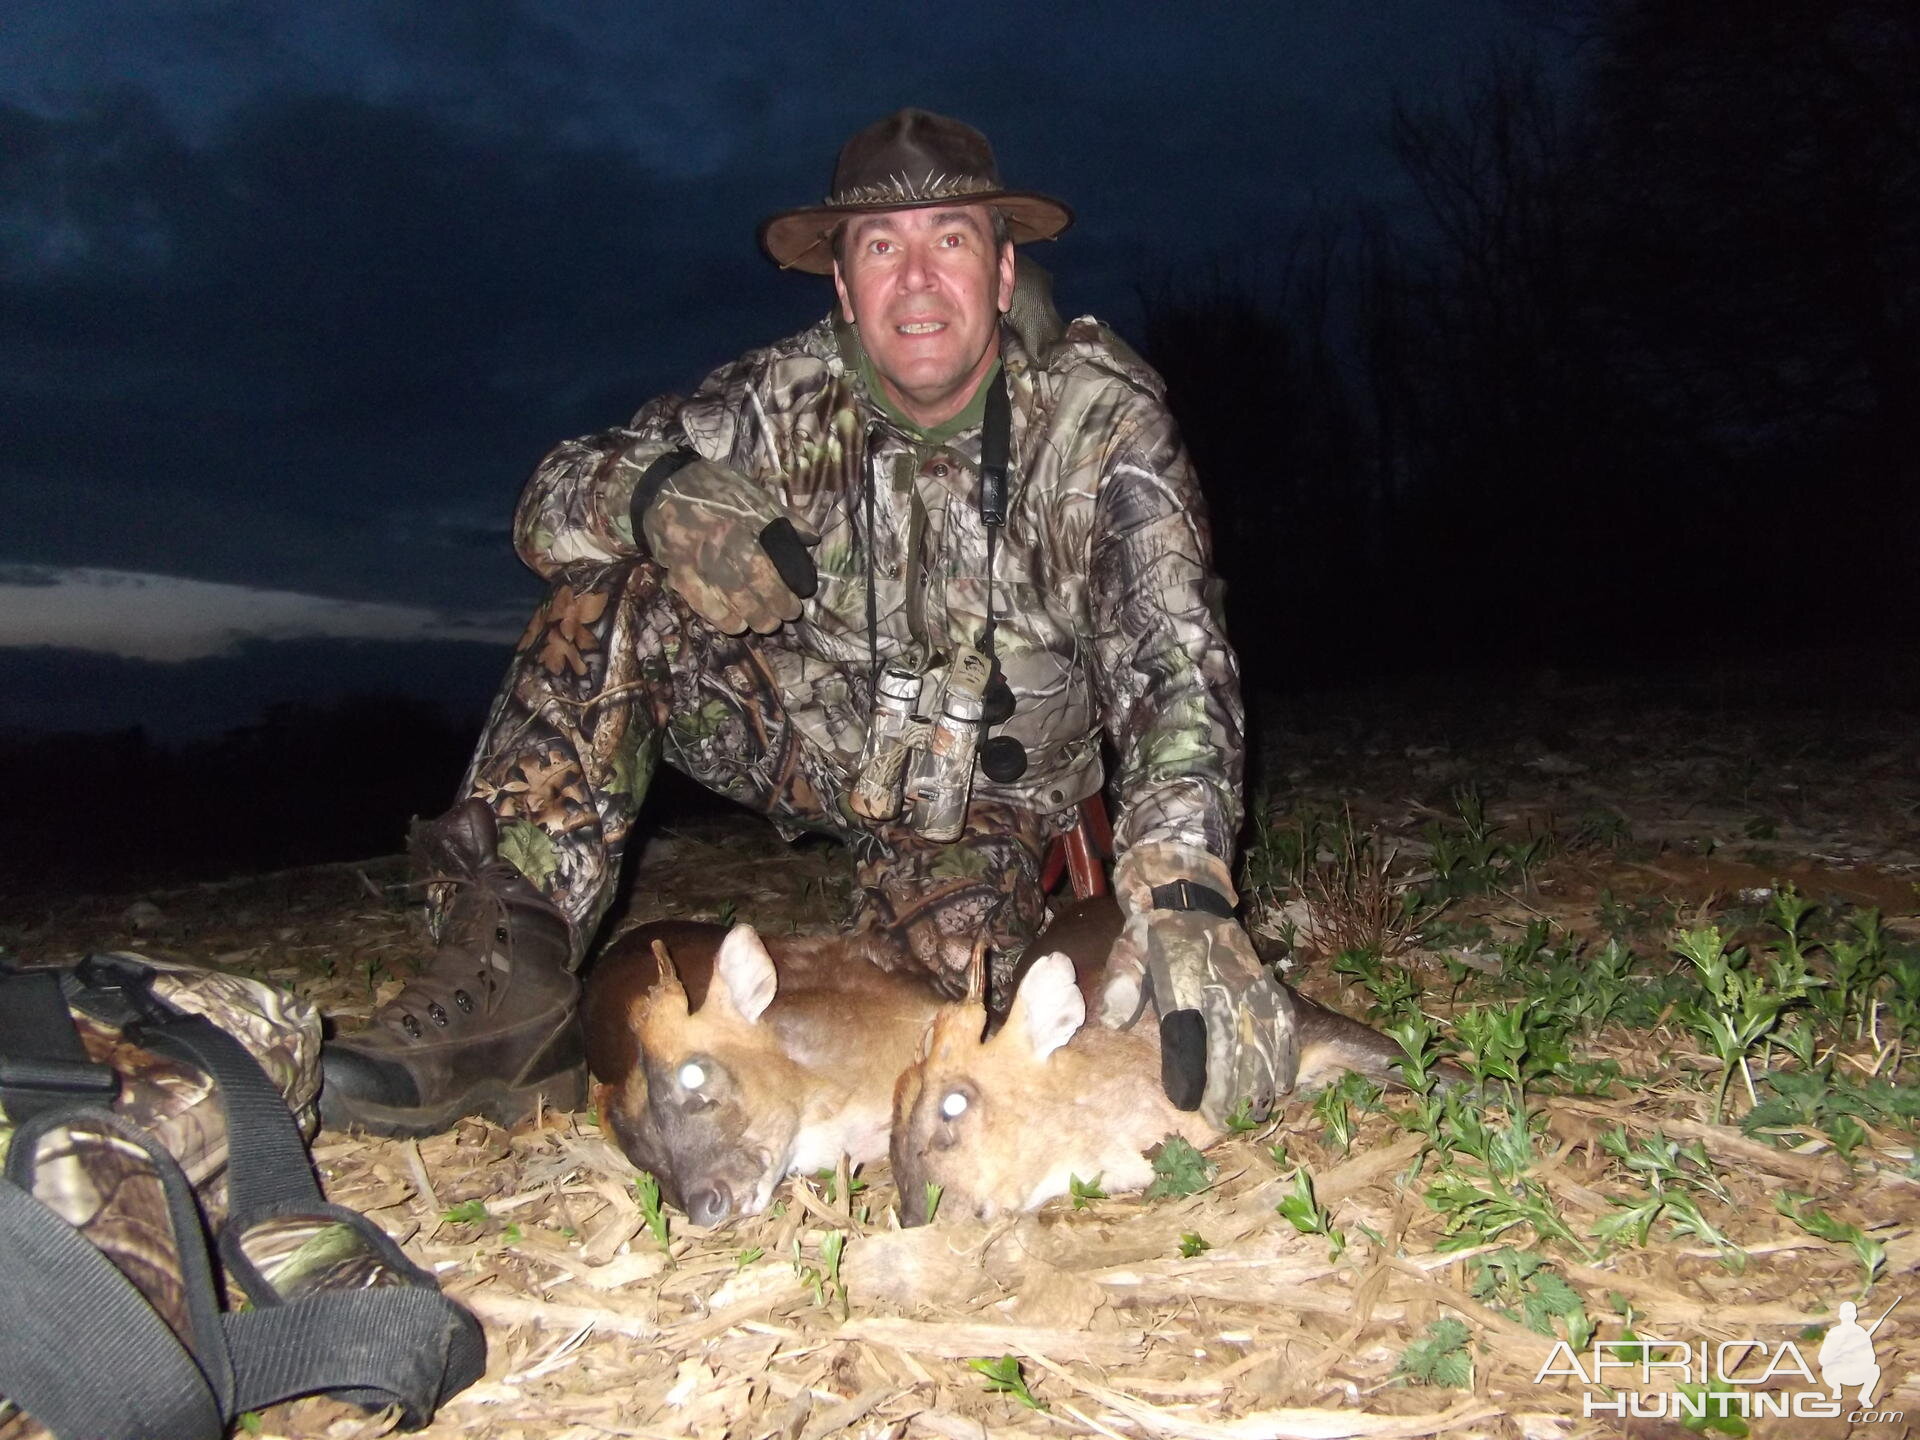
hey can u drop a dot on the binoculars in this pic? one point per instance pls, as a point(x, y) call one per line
point(922, 764)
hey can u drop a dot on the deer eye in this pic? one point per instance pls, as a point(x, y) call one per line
point(954, 1104)
point(692, 1076)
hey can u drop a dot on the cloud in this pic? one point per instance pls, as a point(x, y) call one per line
point(328, 345)
point(163, 617)
point(298, 292)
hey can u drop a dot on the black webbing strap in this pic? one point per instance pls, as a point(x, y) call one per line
point(996, 450)
point(408, 1343)
point(394, 1343)
point(368, 1346)
point(996, 454)
point(104, 1365)
point(268, 1170)
point(1191, 895)
point(99, 1362)
point(870, 541)
point(43, 1065)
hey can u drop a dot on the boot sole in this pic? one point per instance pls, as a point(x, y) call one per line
point(505, 1105)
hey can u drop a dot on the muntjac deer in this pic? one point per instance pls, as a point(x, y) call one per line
point(741, 1062)
point(1002, 1119)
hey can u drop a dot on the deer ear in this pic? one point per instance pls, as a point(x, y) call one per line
point(1049, 1010)
point(745, 974)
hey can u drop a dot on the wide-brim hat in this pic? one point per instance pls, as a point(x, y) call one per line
point(908, 161)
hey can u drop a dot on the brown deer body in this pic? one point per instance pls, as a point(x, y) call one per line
point(1001, 1119)
point(744, 1062)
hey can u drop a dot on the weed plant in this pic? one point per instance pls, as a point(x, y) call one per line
point(1482, 1136)
point(1816, 1012)
point(1468, 855)
point(1303, 1210)
point(1523, 1286)
point(1345, 882)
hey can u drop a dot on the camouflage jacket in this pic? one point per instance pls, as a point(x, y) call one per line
point(1108, 609)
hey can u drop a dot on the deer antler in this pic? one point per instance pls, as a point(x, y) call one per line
point(668, 982)
point(977, 973)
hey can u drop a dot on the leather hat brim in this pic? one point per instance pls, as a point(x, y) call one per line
point(803, 239)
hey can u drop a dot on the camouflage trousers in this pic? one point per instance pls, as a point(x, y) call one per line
point(616, 673)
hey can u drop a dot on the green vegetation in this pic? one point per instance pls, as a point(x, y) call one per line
point(1178, 1169)
point(1307, 1215)
point(1524, 1287)
point(1440, 1356)
point(1871, 1253)
point(1797, 1022)
point(1334, 1108)
point(1004, 1377)
point(646, 1191)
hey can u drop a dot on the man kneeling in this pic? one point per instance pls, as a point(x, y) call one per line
point(935, 534)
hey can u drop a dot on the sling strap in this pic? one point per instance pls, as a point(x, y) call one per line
point(85, 1351)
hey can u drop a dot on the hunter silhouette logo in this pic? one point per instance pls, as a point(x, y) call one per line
point(1752, 1378)
point(1846, 1354)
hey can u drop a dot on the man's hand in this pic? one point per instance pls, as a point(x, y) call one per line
point(729, 549)
point(1227, 1043)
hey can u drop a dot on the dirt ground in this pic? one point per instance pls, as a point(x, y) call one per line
point(1656, 805)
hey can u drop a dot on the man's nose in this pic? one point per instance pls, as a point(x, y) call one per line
point(917, 271)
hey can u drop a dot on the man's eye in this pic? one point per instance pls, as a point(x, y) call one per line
point(879, 247)
point(952, 242)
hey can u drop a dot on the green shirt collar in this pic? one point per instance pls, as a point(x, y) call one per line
point(969, 414)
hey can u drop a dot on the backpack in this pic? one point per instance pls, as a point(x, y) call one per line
point(142, 1121)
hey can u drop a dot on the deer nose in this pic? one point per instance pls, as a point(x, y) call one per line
point(709, 1204)
point(913, 1207)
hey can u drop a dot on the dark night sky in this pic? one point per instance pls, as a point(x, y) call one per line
point(294, 295)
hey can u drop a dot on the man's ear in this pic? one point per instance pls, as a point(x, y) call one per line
point(840, 288)
point(1008, 269)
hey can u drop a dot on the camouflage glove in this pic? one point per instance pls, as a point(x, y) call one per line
point(726, 545)
point(1227, 1041)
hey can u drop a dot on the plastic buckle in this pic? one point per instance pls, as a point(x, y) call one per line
point(131, 981)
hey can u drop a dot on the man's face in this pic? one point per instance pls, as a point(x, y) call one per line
point(926, 287)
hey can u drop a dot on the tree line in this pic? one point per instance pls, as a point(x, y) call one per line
point(1643, 372)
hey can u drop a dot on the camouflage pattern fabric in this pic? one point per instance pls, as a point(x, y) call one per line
point(300, 1254)
point(104, 1185)
point(1108, 610)
point(1106, 605)
point(177, 1103)
point(279, 1029)
point(704, 527)
point(617, 672)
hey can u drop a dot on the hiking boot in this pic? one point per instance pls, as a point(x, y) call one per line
point(490, 1025)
